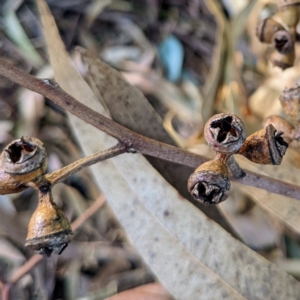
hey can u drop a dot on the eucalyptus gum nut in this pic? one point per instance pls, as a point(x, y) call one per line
point(283, 61)
point(23, 156)
point(283, 42)
point(21, 162)
point(225, 133)
point(266, 29)
point(265, 147)
point(210, 183)
point(283, 125)
point(10, 184)
point(48, 230)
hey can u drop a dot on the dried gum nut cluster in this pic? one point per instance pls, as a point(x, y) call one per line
point(280, 31)
point(225, 133)
point(22, 163)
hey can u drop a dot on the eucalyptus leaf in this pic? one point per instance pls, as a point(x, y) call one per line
point(192, 256)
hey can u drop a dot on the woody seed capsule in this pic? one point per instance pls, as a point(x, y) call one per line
point(225, 133)
point(22, 161)
point(49, 230)
point(210, 183)
point(283, 42)
point(266, 29)
point(265, 146)
point(283, 61)
point(282, 125)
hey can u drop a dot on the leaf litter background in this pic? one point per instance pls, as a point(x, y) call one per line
point(190, 59)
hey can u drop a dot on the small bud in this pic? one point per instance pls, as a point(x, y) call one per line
point(266, 29)
point(283, 61)
point(281, 124)
point(210, 183)
point(265, 146)
point(22, 161)
point(283, 42)
point(49, 230)
point(290, 102)
point(225, 133)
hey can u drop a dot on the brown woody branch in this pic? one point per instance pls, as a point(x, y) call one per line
point(131, 139)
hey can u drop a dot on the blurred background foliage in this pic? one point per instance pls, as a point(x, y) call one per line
point(191, 58)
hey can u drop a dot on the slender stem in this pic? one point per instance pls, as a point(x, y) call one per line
point(131, 139)
point(63, 173)
point(222, 157)
point(234, 169)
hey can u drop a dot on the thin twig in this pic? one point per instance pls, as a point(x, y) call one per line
point(136, 141)
point(27, 267)
point(76, 166)
point(4, 291)
point(88, 212)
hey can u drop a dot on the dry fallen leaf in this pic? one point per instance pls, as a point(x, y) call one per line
point(254, 227)
point(13, 29)
point(133, 111)
point(31, 107)
point(284, 209)
point(192, 256)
